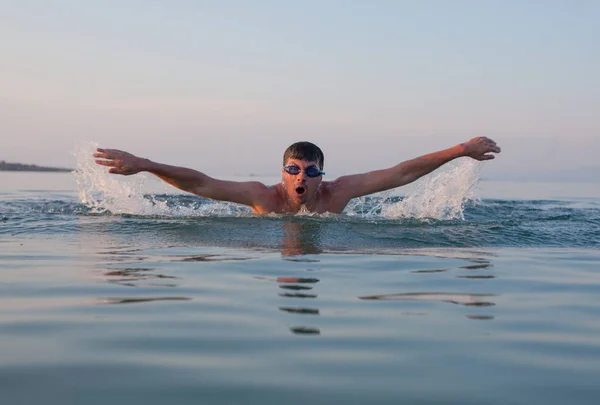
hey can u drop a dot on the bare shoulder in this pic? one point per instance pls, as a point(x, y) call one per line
point(255, 186)
point(341, 187)
point(248, 188)
point(257, 191)
point(357, 185)
point(335, 195)
point(249, 193)
point(266, 199)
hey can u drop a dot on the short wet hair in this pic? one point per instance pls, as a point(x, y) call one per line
point(304, 151)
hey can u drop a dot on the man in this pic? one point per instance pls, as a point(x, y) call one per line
point(302, 186)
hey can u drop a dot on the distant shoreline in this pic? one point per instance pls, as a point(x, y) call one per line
point(20, 167)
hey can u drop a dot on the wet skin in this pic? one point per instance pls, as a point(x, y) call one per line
point(296, 192)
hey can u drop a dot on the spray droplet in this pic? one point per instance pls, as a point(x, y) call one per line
point(441, 195)
point(104, 192)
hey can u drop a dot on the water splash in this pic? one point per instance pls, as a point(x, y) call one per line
point(441, 195)
point(104, 192)
point(100, 191)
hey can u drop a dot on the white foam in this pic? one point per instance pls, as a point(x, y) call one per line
point(440, 195)
point(102, 192)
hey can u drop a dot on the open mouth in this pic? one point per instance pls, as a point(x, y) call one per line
point(300, 190)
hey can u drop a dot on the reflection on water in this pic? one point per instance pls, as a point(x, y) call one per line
point(451, 298)
point(295, 287)
point(211, 258)
point(477, 277)
point(470, 300)
point(113, 300)
point(480, 317)
point(301, 237)
point(129, 276)
point(464, 299)
point(477, 266)
point(430, 271)
point(305, 311)
point(300, 280)
point(304, 330)
point(299, 259)
point(297, 295)
point(299, 283)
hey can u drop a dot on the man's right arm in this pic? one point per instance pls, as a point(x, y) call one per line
point(192, 181)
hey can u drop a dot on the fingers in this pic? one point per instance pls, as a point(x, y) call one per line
point(113, 158)
point(492, 146)
point(108, 150)
point(102, 153)
point(109, 153)
point(105, 162)
point(482, 157)
point(489, 144)
point(113, 168)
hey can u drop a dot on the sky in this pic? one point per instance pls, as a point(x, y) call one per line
point(225, 86)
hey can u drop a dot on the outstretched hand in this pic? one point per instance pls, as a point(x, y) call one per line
point(120, 162)
point(480, 148)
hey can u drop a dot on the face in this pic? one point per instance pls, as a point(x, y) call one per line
point(299, 187)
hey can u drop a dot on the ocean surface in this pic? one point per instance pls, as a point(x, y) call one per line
point(453, 290)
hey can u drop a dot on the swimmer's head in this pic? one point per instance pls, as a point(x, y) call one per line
point(302, 172)
point(304, 151)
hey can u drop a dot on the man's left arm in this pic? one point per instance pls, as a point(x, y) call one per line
point(358, 185)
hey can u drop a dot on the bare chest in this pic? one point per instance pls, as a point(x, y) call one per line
point(322, 202)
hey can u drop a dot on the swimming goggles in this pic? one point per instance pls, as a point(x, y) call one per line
point(311, 171)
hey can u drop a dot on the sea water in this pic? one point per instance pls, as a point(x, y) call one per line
point(452, 290)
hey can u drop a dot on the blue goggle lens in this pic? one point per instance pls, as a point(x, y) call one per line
point(310, 172)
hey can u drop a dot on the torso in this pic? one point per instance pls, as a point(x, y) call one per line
point(274, 201)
